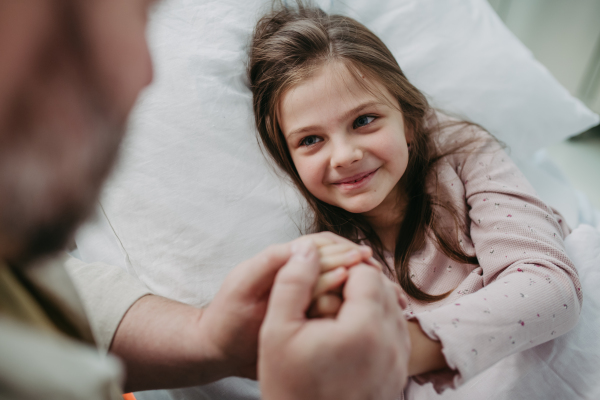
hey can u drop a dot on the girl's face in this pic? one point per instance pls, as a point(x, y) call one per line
point(348, 144)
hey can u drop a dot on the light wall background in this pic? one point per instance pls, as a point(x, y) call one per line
point(564, 35)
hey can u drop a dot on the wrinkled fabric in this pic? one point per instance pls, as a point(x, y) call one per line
point(523, 292)
point(563, 368)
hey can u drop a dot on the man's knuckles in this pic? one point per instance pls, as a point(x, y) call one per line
point(366, 282)
point(274, 255)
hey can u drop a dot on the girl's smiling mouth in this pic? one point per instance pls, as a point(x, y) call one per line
point(356, 181)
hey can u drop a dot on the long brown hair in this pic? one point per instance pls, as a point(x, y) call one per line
point(289, 45)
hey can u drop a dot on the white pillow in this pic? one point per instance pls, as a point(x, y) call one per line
point(193, 195)
point(463, 57)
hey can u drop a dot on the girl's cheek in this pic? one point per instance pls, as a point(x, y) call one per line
point(312, 172)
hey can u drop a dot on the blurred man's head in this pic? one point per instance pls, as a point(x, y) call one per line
point(70, 72)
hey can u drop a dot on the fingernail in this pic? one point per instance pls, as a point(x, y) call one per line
point(303, 249)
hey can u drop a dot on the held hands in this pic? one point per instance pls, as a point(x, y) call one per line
point(335, 260)
point(230, 324)
point(360, 354)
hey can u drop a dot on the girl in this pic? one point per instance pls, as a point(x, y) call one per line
point(439, 201)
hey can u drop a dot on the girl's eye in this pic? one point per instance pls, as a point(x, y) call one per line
point(310, 140)
point(363, 120)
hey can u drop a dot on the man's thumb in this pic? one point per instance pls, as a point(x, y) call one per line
point(292, 290)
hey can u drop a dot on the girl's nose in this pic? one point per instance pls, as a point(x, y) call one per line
point(344, 154)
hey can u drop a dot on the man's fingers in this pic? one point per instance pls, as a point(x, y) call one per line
point(258, 272)
point(329, 281)
point(291, 292)
point(364, 282)
point(364, 292)
point(392, 294)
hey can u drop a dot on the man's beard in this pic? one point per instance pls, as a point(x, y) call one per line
point(48, 190)
point(57, 146)
point(43, 200)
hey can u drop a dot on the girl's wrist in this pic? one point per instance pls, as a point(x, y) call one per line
point(426, 354)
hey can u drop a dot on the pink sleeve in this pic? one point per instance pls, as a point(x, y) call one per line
point(531, 290)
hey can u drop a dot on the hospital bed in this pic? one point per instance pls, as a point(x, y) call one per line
point(192, 194)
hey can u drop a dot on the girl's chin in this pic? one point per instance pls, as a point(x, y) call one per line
point(359, 208)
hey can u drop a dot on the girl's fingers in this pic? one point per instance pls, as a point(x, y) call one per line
point(328, 238)
point(329, 281)
point(344, 247)
point(345, 255)
point(374, 263)
point(326, 306)
point(347, 259)
point(402, 299)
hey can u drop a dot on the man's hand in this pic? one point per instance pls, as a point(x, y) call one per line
point(165, 343)
point(231, 323)
point(362, 354)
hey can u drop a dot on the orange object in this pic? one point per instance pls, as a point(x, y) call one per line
point(128, 396)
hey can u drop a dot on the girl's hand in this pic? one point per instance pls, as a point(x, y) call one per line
point(336, 251)
point(345, 255)
point(335, 259)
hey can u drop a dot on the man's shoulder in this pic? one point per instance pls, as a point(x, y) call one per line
point(39, 364)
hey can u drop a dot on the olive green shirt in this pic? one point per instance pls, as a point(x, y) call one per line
point(47, 349)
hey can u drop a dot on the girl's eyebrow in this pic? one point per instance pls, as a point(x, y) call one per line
point(343, 117)
point(358, 109)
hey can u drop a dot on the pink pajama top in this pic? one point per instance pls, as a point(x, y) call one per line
point(524, 291)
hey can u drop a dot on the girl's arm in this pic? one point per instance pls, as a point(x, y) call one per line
point(426, 354)
point(531, 292)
